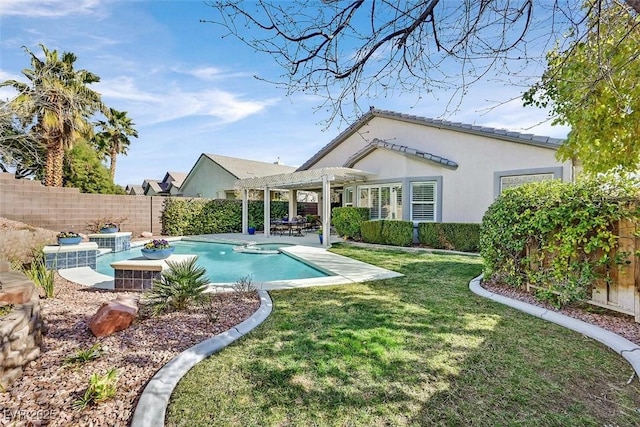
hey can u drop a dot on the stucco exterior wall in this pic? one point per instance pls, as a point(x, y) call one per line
point(466, 191)
point(207, 180)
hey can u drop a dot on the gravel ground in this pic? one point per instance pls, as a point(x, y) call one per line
point(621, 324)
point(46, 393)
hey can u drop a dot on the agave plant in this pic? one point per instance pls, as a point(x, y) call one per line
point(178, 287)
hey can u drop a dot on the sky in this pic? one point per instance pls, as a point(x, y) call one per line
point(190, 91)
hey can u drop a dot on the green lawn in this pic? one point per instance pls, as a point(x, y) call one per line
point(417, 350)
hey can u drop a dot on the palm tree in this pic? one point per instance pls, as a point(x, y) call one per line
point(114, 137)
point(57, 104)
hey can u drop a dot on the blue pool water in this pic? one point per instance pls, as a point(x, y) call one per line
point(225, 265)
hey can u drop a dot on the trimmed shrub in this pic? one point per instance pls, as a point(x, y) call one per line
point(347, 220)
point(387, 232)
point(371, 232)
point(463, 237)
point(397, 233)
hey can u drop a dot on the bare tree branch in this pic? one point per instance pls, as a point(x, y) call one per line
point(352, 51)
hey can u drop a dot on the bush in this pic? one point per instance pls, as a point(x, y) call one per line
point(371, 232)
point(178, 287)
point(386, 232)
point(557, 236)
point(184, 217)
point(347, 221)
point(463, 237)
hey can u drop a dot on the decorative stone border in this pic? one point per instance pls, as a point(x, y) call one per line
point(153, 402)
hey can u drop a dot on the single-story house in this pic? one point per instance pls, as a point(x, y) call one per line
point(418, 169)
point(213, 176)
point(152, 187)
point(168, 186)
point(172, 182)
point(134, 190)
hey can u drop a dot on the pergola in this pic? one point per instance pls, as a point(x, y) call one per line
point(319, 180)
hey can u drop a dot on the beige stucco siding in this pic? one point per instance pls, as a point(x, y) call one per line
point(466, 191)
point(208, 180)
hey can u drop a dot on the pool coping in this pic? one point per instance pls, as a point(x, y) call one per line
point(340, 269)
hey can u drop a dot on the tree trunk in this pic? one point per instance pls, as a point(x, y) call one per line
point(48, 168)
point(53, 167)
point(112, 169)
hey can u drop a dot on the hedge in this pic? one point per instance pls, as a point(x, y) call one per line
point(557, 236)
point(347, 220)
point(184, 216)
point(386, 232)
point(463, 237)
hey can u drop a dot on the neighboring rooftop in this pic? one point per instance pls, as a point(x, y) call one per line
point(503, 134)
point(175, 178)
point(242, 168)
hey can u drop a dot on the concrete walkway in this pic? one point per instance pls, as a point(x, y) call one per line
point(625, 348)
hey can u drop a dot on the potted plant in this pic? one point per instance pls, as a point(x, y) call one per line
point(252, 227)
point(68, 238)
point(157, 249)
point(109, 227)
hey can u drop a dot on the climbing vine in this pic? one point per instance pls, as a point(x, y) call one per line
point(558, 237)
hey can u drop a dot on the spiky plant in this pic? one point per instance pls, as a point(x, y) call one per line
point(178, 287)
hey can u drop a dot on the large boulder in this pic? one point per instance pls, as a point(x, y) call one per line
point(114, 316)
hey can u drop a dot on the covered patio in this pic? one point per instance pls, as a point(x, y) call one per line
point(320, 180)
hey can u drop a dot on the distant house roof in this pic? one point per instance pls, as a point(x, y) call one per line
point(176, 178)
point(154, 184)
point(503, 134)
point(242, 168)
point(135, 190)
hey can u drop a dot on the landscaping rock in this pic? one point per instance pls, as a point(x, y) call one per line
point(146, 234)
point(113, 316)
point(15, 288)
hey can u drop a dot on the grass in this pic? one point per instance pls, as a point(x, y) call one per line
point(416, 350)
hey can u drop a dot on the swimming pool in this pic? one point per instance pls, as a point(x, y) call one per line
point(223, 265)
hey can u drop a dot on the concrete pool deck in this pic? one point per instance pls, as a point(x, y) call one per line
point(341, 270)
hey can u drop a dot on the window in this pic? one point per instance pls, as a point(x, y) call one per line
point(348, 196)
point(385, 201)
point(423, 201)
point(518, 180)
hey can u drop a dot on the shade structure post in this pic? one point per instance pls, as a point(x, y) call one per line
point(267, 212)
point(326, 211)
point(245, 211)
point(293, 204)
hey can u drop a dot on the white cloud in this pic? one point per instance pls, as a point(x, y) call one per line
point(165, 104)
point(210, 73)
point(48, 8)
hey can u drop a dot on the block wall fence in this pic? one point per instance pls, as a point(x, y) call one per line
point(67, 209)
